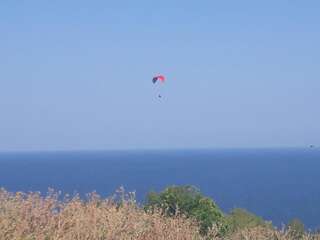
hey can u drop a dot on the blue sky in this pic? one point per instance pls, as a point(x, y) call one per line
point(77, 74)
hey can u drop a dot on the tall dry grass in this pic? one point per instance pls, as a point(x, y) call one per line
point(30, 216)
point(33, 217)
point(263, 233)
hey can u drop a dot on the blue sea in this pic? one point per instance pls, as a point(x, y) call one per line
point(277, 184)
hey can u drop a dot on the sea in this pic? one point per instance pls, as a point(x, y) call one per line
point(276, 184)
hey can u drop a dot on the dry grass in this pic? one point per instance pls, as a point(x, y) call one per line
point(32, 217)
point(263, 233)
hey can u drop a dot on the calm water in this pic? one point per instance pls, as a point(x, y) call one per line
point(278, 184)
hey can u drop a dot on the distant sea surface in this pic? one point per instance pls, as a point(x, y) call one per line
point(277, 184)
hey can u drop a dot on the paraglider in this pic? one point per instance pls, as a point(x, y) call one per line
point(158, 78)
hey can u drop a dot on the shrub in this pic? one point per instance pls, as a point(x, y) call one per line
point(296, 228)
point(188, 201)
point(241, 218)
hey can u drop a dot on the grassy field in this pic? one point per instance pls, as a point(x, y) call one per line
point(34, 217)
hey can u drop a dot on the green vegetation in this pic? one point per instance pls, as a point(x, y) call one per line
point(296, 228)
point(240, 219)
point(187, 201)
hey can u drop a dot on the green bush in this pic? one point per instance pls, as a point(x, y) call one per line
point(296, 228)
point(241, 218)
point(188, 201)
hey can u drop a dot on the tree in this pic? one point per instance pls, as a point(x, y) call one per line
point(188, 201)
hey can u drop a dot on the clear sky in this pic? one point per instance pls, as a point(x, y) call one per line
point(77, 74)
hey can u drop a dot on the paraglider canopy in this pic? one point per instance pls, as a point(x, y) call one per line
point(158, 78)
point(161, 78)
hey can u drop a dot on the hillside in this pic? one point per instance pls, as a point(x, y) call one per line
point(32, 216)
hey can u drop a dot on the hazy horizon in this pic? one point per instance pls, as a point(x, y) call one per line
point(77, 75)
point(188, 149)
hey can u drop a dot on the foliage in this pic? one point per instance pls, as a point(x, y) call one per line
point(241, 218)
point(296, 228)
point(187, 201)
